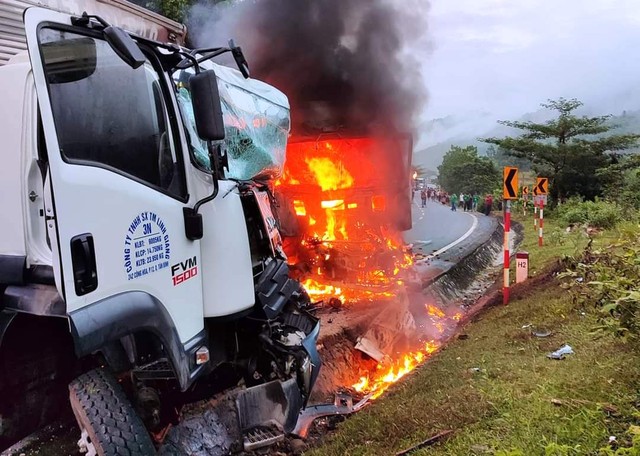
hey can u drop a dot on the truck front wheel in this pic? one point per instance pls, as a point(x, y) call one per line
point(107, 421)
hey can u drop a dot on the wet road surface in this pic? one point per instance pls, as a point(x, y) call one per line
point(436, 226)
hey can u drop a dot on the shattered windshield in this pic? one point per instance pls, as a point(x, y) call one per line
point(256, 130)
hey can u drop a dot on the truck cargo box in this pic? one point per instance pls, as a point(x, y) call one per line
point(121, 13)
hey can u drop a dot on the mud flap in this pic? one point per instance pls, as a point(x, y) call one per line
point(274, 402)
point(268, 411)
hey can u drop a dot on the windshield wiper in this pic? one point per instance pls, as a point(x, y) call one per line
point(210, 53)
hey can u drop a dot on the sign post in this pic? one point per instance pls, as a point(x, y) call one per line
point(535, 208)
point(542, 186)
point(525, 200)
point(509, 192)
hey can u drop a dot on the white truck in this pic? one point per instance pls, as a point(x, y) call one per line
point(132, 268)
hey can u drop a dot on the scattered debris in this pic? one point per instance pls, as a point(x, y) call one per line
point(475, 370)
point(561, 352)
point(610, 409)
point(535, 331)
point(463, 336)
point(390, 330)
point(335, 303)
point(430, 441)
point(370, 348)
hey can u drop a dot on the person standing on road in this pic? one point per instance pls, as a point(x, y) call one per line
point(476, 199)
point(488, 203)
point(423, 196)
point(454, 202)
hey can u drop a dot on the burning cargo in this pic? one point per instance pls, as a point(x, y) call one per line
point(346, 67)
point(351, 200)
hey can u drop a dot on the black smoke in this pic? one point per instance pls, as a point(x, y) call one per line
point(344, 64)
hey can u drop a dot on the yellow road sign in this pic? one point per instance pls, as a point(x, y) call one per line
point(542, 186)
point(525, 190)
point(510, 181)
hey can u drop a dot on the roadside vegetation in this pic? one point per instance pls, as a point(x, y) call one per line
point(495, 387)
point(463, 170)
point(581, 155)
point(590, 159)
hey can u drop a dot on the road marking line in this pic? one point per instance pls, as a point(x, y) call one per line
point(460, 239)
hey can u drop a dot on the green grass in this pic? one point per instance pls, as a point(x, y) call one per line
point(520, 402)
point(557, 242)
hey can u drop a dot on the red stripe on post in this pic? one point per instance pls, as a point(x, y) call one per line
point(506, 259)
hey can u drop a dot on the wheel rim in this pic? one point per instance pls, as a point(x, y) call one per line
point(85, 444)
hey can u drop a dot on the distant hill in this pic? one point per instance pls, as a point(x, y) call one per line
point(438, 135)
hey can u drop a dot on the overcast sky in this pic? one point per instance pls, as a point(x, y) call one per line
point(505, 57)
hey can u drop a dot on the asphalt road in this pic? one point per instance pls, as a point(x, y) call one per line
point(437, 226)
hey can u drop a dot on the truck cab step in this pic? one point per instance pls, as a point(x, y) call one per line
point(157, 370)
point(262, 436)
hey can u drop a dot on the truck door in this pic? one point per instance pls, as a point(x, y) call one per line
point(117, 174)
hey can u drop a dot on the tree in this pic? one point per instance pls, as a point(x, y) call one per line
point(462, 170)
point(621, 181)
point(173, 9)
point(501, 158)
point(569, 150)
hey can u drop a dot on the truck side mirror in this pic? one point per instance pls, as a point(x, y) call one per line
point(207, 109)
point(123, 45)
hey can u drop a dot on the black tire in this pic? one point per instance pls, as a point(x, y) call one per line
point(104, 412)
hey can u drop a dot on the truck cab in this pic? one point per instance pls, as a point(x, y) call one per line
point(123, 247)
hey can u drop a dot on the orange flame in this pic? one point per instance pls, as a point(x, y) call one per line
point(342, 201)
point(434, 311)
point(298, 206)
point(349, 198)
point(388, 374)
point(393, 370)
point(328, 175)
